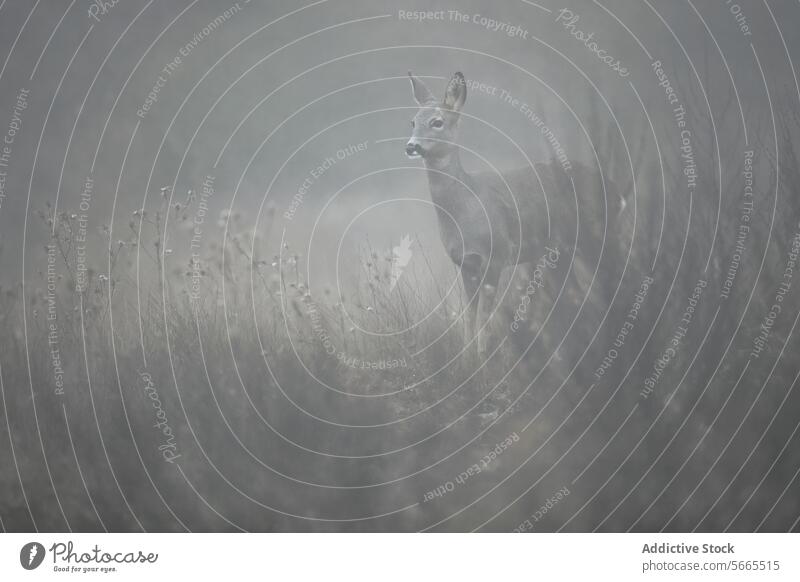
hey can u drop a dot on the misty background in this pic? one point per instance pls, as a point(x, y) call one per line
point(271, 98)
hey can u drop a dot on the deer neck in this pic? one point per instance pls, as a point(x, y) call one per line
point(447, 180)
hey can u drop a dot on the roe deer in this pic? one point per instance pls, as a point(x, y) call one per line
point(488, 220)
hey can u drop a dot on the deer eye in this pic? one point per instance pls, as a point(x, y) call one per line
point(437, 123)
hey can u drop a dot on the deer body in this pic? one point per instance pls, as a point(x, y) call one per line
point(490, 221)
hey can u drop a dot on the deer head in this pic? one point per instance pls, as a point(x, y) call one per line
point(435, 126)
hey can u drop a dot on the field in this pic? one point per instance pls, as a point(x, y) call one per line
point(222, 392)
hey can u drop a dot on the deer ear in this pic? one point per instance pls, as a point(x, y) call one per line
point(422, 94)
point(456, 93)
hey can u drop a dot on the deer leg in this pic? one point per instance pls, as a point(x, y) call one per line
point(471, 277)
point(486, 304)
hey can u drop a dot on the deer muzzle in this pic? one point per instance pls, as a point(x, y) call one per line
point(413, 149)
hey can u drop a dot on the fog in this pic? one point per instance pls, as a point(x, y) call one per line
point(231, 301)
